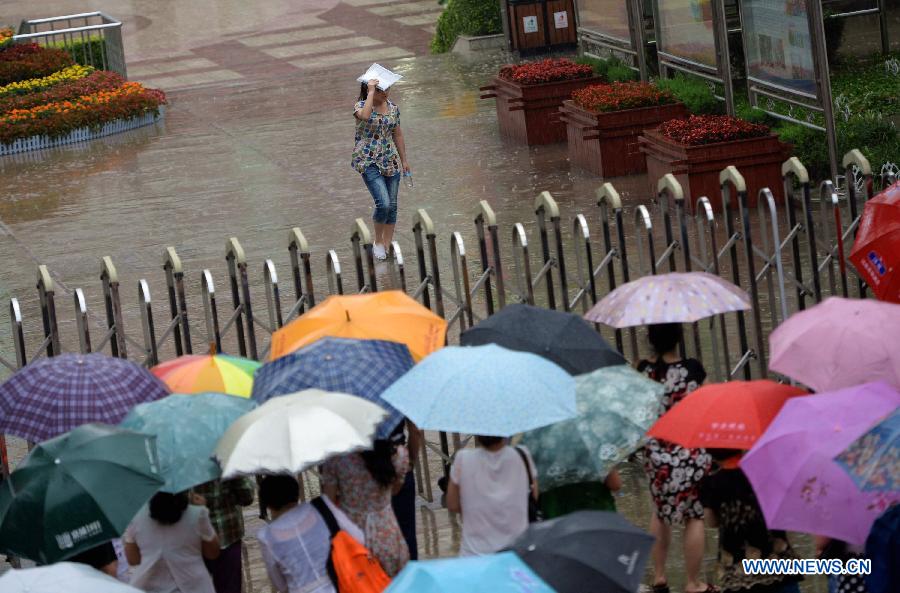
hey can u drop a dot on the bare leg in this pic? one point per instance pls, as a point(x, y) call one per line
point(660, 552)
point(379, 233)
point(387, 233)
point(694, 543)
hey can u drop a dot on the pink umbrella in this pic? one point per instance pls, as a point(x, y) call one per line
point(839, 343)
point(668, 298)
point(798, 484)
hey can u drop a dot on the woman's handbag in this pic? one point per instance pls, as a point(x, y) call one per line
point(534, 509)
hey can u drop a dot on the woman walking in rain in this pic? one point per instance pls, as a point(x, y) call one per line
point(675, 472)
point(380, 157)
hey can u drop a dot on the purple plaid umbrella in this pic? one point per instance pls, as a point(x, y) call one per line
point(798, 484)
point(51, 396)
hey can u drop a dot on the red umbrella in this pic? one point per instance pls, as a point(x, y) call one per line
point(876, 252)
point(729, 415)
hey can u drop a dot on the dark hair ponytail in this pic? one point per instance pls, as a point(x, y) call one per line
point(363, 91)
point(380, 462)
point(487, 441)
point(663, 337)
point(168, 508)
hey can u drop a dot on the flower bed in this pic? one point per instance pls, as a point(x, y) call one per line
point(549, 70)
point(698, 148)
point(65, 104)
point(6, 35)
point(619, 96)
point(24, 87)
point(603, 123)
point(21, 62)
point(710, 129)
point(529, 96)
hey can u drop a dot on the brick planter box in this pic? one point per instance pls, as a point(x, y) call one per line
point(529, 114)
point(607, 143)
point(697, 167)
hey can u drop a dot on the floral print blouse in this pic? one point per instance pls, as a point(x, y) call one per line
point(375, 141)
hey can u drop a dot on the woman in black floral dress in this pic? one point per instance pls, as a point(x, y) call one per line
point(675, 472)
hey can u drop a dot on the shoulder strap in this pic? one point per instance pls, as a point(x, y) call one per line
point(320, 505)
point(527, 465)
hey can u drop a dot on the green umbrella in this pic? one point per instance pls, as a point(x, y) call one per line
point(76, 491)
point(616, 406)
point(187, 428)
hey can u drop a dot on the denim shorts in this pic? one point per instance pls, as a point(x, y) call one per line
point(384, 193)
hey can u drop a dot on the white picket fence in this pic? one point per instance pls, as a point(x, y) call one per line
point(82, 134)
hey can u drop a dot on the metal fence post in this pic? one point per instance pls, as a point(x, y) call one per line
point(362, 249)
point(793, 171)
point(181, 331)
point(237, 273)
point(486, 217)
point(607, 197)
point(211, 312)
point(545, 206)
point(830, 202)
point(301, 270)
point(731, 181)
point(82, 323)
point(463, 291)
point(46, 294)
point(333, 271)
point(114, 321)
point(424, 225)
point(523, 264)
point(852, 159)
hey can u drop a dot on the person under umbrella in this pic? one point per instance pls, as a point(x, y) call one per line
point(490, 487)
point(675, 472)
point(731, 506)
point(364, 368)
point(296, 544)
point(167, 543)
point(362, 484)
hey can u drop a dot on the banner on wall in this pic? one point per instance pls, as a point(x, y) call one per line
point(778, 44)
point(685, 30)
point(606, 17)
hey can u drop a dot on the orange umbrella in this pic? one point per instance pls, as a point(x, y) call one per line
point(729, 415)
point(389, 315)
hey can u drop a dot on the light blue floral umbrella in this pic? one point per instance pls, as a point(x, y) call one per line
point(485, 390)
point(873, 460)
point(187, 428)
point(616, 407)
point(495, 573)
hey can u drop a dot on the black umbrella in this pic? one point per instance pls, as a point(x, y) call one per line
point(563, 338)
point(586, 552)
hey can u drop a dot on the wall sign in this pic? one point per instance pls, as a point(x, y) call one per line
point(530, 24)
point(561, 19)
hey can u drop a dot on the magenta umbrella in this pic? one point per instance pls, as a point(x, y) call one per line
point(798, 484)
point(839, 343)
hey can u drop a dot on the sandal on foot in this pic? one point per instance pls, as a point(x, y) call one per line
point(661, 588)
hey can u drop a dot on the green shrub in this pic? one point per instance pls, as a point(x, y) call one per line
point(694, 93)
point(465, 17)
point(610, 69)
point(745, 111)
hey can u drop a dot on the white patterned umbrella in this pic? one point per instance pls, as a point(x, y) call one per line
point(668, 298)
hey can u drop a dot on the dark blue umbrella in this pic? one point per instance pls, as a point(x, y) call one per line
point(364, 368)
point(586, 551)
point(51, 396)
point(563, 338)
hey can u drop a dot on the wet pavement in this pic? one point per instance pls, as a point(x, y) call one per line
point(256, 140)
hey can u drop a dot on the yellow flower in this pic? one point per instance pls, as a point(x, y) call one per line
point(34, 85)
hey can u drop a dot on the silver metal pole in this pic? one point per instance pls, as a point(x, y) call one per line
point(823, 81)
point(638, 43)
point(723, 56)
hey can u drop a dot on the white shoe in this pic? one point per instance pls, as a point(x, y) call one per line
point(378, 252)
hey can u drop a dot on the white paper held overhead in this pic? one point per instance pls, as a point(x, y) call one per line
point(385, 77)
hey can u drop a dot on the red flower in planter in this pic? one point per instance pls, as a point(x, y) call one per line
point(94, 82)
point(21, 62)
point(709, 129)
point(548, 70)
point(619, 96)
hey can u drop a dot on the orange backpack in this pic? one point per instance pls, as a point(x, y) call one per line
point(351, 566)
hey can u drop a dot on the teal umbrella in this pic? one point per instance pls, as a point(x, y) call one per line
point(76, 491)
point(616, 407)
point(187, 428)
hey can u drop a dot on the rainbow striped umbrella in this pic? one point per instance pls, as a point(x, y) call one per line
point(197, 373)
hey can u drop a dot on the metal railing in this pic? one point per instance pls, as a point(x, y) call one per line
point(786, 257)
point(91, 38)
